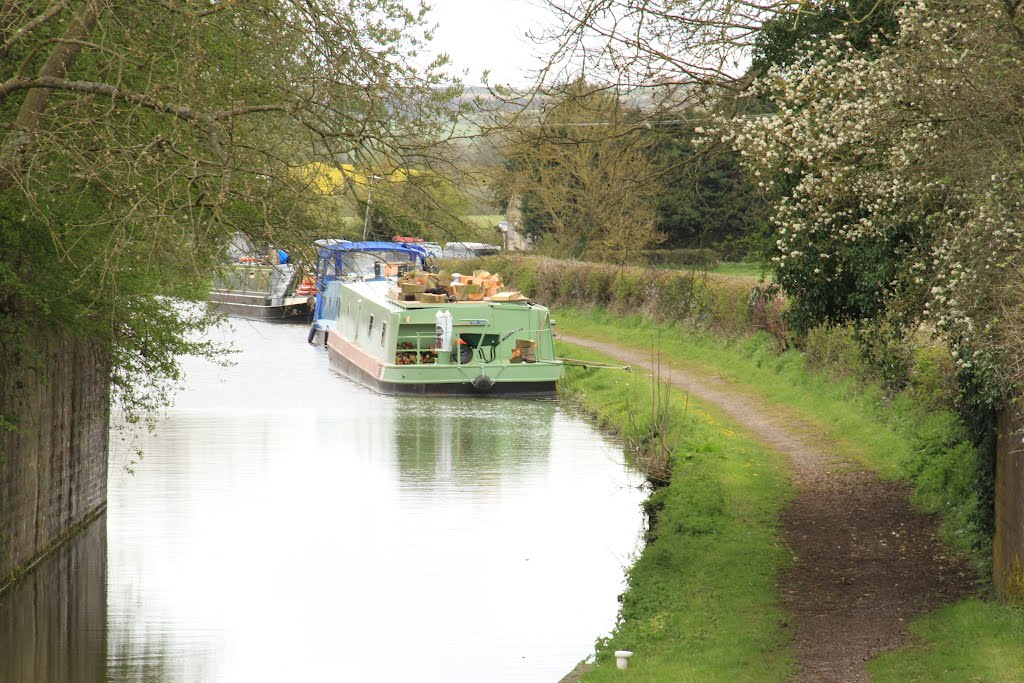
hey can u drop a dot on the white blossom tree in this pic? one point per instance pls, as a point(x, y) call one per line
point(899, 179)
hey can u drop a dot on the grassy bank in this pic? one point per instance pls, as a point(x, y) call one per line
point(701, 603)
point(734, 327)
point(901, 437)
point(906, 436)
point(969, 641)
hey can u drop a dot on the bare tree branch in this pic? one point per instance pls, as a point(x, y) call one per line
point(50, 12)
point(60, 59)
point(638, 45)
point(191, 11)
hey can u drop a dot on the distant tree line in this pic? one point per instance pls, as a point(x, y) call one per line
point(595, 177)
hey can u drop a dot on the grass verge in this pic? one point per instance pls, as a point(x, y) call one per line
point(901, 437)
point(485, 222)
point(970, 641)
point(701, 603)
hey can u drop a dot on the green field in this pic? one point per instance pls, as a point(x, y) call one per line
point(485, 221)
point(743, 269)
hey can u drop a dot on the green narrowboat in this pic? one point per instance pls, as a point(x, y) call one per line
point(396, 342)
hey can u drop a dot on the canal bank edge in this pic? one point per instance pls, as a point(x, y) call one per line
point(577, 673)
point(970, 639)
point(864, 562)
point(718, 618)
point(952, 471)
point(53, 462)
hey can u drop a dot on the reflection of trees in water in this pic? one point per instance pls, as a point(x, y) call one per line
point(140, 658)
point(145, 651)
point(470, 439)
point(53, 622)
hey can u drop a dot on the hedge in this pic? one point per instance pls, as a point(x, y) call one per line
point(718, 303)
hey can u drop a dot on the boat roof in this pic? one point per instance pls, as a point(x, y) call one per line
point(345, 245)
point(377, 289)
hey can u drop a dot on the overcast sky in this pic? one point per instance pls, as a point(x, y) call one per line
point(488, 34)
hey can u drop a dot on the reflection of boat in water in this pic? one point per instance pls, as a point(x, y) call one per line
point(396, 329)
point(263, 287)
point(467, 442)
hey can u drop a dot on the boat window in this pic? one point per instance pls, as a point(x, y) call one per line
point(357, 263)
point(370, 331)
point(383, 332)
point(360, 263)
point(331, 269)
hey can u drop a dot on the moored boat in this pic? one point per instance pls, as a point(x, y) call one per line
point(397, 329)
point(262, 286)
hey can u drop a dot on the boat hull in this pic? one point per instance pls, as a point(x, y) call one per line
point(537, 380)
point(291, 310)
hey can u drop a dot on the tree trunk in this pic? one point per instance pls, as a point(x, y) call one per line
point(56, 66)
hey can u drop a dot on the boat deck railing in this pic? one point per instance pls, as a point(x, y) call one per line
point(254, 279)
point(484, 345)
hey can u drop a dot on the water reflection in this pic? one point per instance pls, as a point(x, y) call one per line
point(288, 525)
point(469, 441)
point(53, 625)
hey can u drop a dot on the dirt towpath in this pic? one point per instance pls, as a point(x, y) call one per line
point(864, 562)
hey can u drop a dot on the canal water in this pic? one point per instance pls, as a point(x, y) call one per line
point(286, 524)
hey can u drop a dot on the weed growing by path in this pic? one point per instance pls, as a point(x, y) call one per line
point(651, 431)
